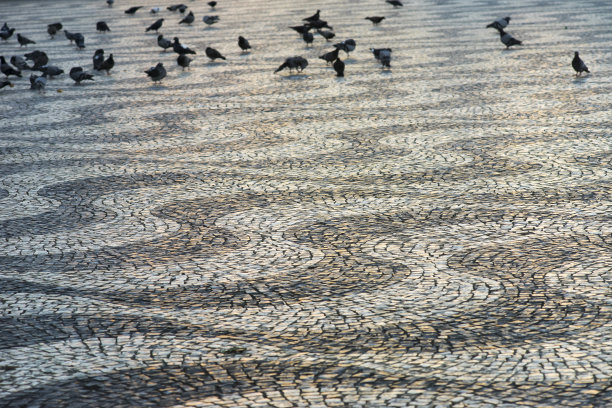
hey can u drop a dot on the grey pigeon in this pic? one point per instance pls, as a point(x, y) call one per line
point(213, 54)
point(183, 61)
point(39, 58)
point(243, 43)
point(375, 19)
point(24, 40)
point(188, 19)
point(20, 63)
point(579, 65)
point(383, 55)
point(38, 83)
point(339, 67)
point(180, 48)
point(500, 23)
point(298, 63)
point(98, 59)
point(328, 35)
point(347, 45)
point(102, 27)
point(7, 70)
point(78, 75)
point(210, 20)
point(395, 3)
point(132, 10)
point(156, 73)
point(51, 71)
point(164, 43)
point(155, 26)
point(5, 82)
point(331, 56)
point(507, 39)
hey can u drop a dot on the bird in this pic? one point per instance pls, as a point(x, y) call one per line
point(156, 73)
point(210, 20)
point(213, 54)
point(110, 3)
point(51, 71)
point(4, 27)
point(6, 34)
point(500, 23)
point(383, 55)
point(155, 26)
point(20, 63)
point(346, 45)
point(52, 29)
point(308, 38)
point(102, 26)
point(39, 58)
point(375, 19)
point(183, 61)
point(38, 83)
point(243, 43)
point(155, 10)
point(212, 4)
point(328, 35)
point(181, 49)
point(314, 17)
point(319, 24)
point(79, 40)
point(175, 7)
point(78, 75)
point(24, 40)
point(301, 29)
point(339, 67)
point(98, 59)
point(507, 39)
point(57, 26)
point(182, 8)
point(579, 65)
point(298, 63)
point(188, 19)
point(69, 36)
point(163, 42)
point(7, 70)
point(108, 64)
point(4, 82)
point(395, 3)
point(132, 10)
point(331, 56)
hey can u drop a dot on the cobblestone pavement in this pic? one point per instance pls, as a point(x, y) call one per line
point(438, 234)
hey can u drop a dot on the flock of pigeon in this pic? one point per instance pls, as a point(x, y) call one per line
point(39, 61)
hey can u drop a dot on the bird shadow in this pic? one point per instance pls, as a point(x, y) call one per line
point(245, 54)
point(158, 87)
point(184, 74)
point(386, 72)
point(579, 80)
point(295, 77)
point(340, 80)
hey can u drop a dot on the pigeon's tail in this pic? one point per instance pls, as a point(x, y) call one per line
point(283, 66)
point(222, 57)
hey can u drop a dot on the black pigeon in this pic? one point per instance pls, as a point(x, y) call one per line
point(79, 40)
point(108, 64)
point(132, 10)
point(375, 19)
point(78, 75)
point(331, 56)
point(164, 43)
point(243, 43)
point(301, 29)
point(346, 45)
point(52, 29)
point(383, 55)
point(314, 17)
point(500, 23)
point(579, 65)
point(39, 58)
point(183, 61)
point(319, 24)
point(156, 73)
point(180, 49)
point(188, 19)
point(6, 34)
point(308, 38)
point(5, 82)
point(213, 54)
point(38, 83)
point(182, 8)
point(20, 63)
point(69, 36)
point(98, 59)
point(328, 35)
point(175, 7)
point(508, 40)
point(210, 20)
point(110, 3)
point(7, 69)
point(4, 27)
point(156, 25)
point(51, 71)
point(298, 63)
point(24, 40)
point(395, 3)
point(102, 26)
point(212, 4)
point(339, 67)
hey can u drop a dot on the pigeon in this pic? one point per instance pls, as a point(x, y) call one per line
point(24, 40)
point(155, 10)
point(383, 55)
point(181, 49)
point(331, 56)
point(79, 40)
point(210, 20)
point(132, 10)
point(51, 71)
point(308, 38)
point(98, 59)
point(243, 43)
point(6, 34)
point(156, 73)
point(102, 26)
point(38, 83)
point(182, 8)
point(500, 23)
point(301, 29)
point(164, 43)
point(188, 19)
point(108, 64)
point(7, 70)
point(78, 75)
point(298, 63)
point(314, 17)
point(155, 26)
point(339, 67)
point(52, 30)
point(69, 36)
point(20, 63)
point(319, 24)
point(110, 3)
point(212, 4)
point(213, 54)
point(507, 39)
point(346, 45)
point(395, 3)
point(4, 27)
point(579, 65)
point(375, 19)
point(328, 35)
point(175, 7)
point(39, 58)
point(4, 82)
point(183, 61)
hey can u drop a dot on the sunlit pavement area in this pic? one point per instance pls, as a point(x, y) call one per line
point(434, 234)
